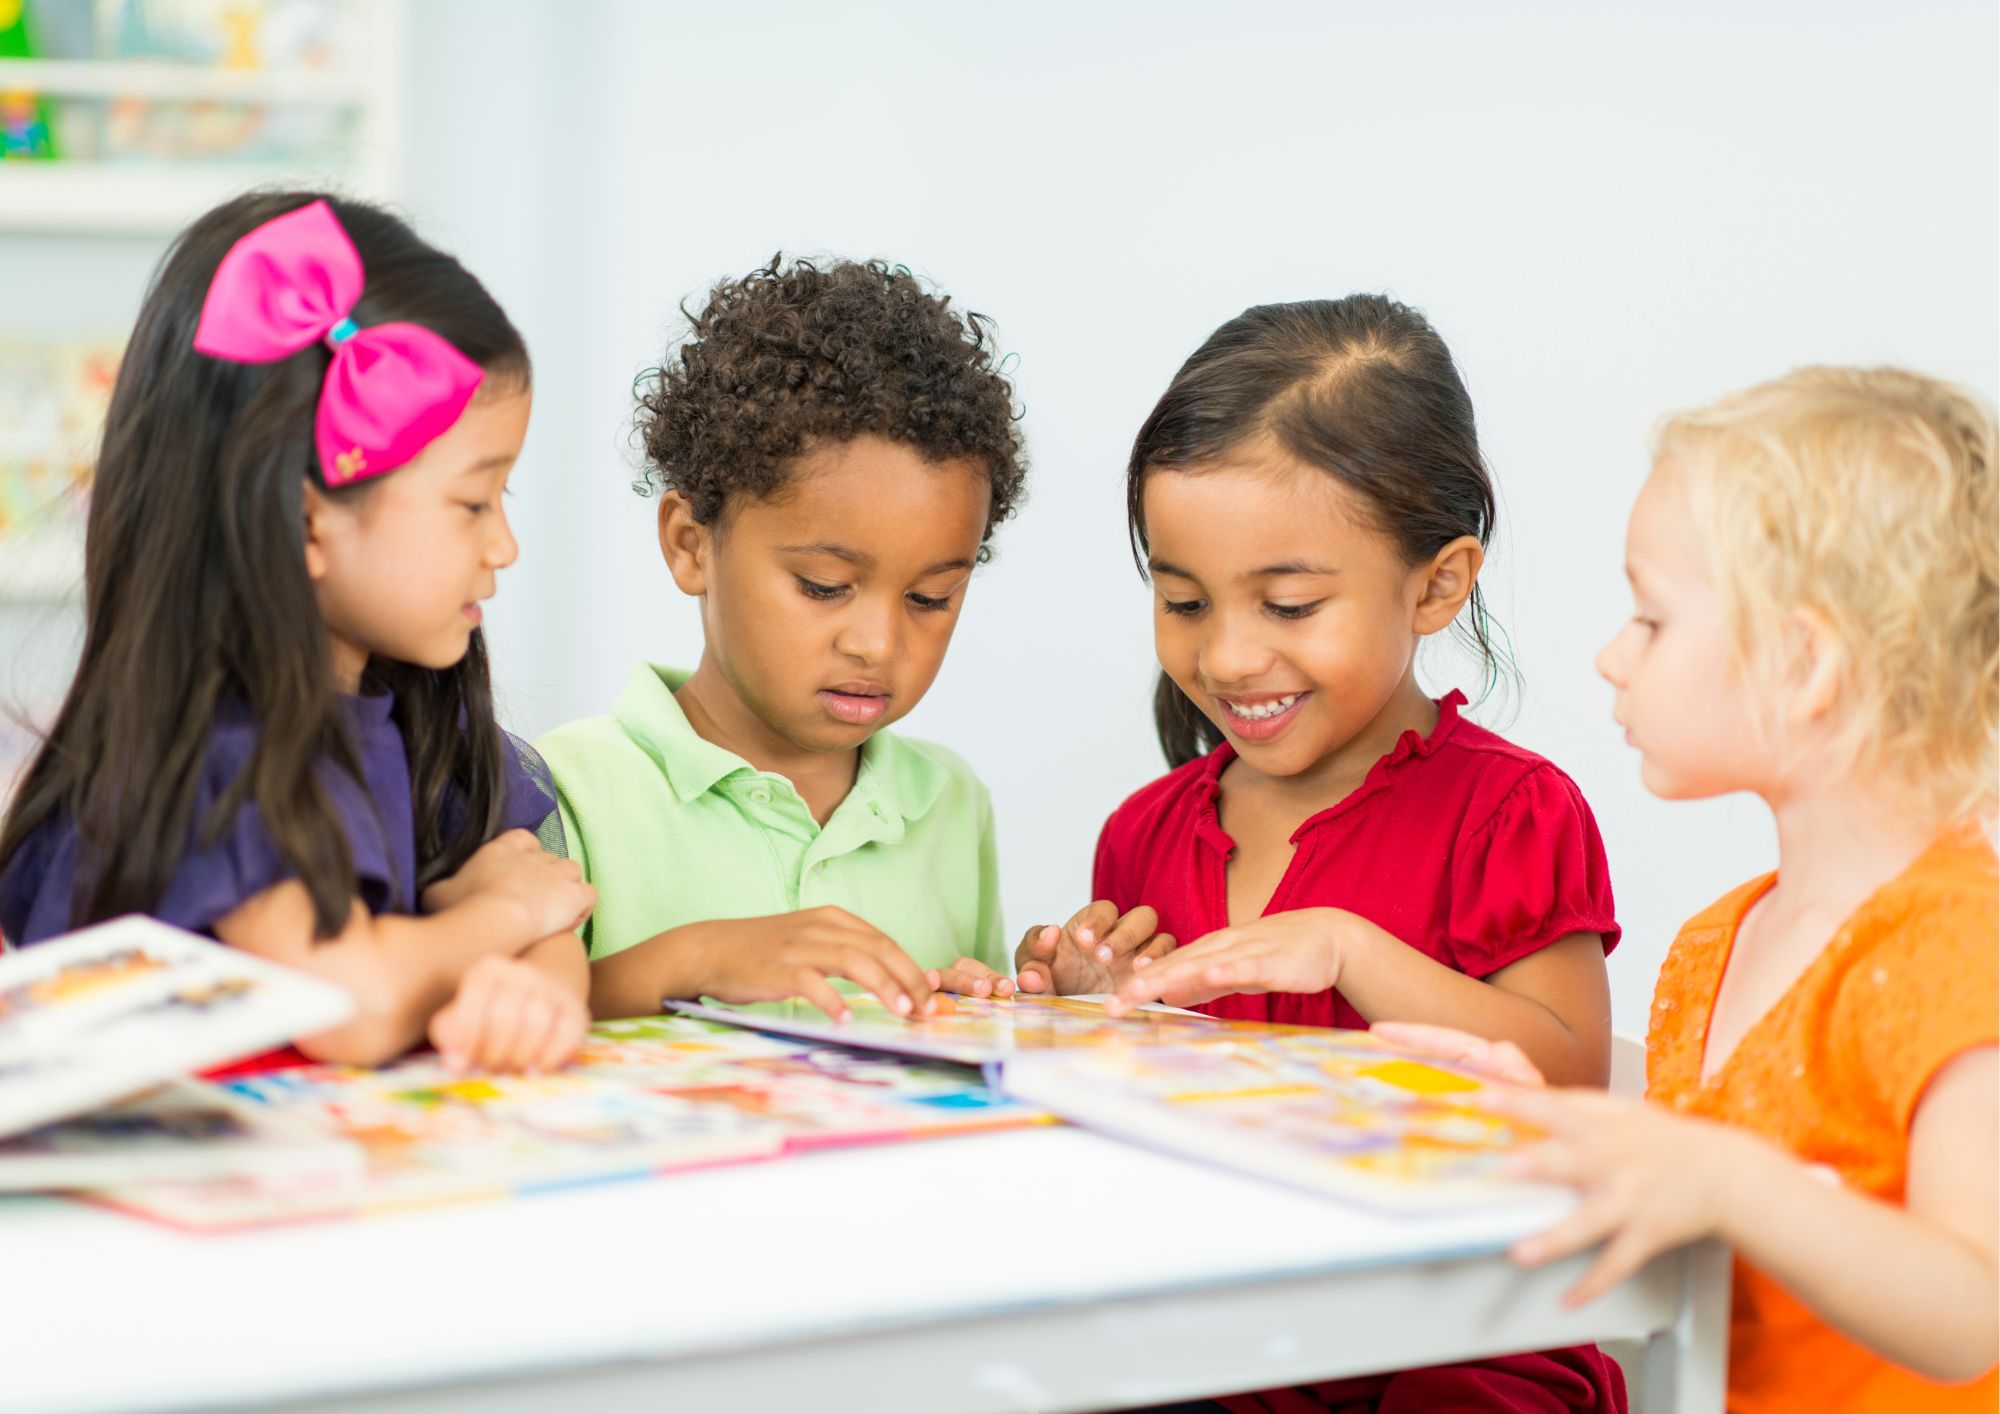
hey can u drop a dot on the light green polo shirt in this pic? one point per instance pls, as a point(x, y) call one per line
point(673, 829)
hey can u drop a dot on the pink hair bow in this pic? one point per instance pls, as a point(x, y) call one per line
point(392, 388)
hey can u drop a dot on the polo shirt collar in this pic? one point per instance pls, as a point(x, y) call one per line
point(894, 775)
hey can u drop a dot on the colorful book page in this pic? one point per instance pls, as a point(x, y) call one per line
point(645, 1096)
point(1333, 1112)
point(186, 1130)
point(980, 1030)
point(112, 1011)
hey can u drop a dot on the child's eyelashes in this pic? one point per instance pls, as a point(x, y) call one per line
point(827, 593)
point(813, 589)
point(1188, 608)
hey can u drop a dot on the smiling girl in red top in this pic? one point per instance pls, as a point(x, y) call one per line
point(1335, 847)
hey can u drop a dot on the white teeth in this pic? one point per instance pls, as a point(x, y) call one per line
point(1261, 710)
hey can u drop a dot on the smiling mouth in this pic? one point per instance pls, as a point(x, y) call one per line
point(1260, 721)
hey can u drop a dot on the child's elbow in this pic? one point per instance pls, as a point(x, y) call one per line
point(374, 1035)
point(357, 1044)
point(1969, 1361)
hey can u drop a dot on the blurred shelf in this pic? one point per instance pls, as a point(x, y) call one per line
point(65, 78)
point(125, 196)
point(156, 197)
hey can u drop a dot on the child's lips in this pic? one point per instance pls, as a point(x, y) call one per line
point(1262, 720)
point(473, 612)
point(858, 703)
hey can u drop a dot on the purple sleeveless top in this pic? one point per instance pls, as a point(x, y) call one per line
point(38, 888)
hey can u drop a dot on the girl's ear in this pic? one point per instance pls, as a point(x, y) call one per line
point(686, 544)
point(1818, 662)
point(318, 532)
point(1446, 583)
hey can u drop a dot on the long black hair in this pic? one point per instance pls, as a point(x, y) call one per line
point(1362, 388)
point(196, 598)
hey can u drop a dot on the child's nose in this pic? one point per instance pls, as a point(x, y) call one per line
point(504, 549)
point(1232, 655)
point(870, 633)
point(1611, 658)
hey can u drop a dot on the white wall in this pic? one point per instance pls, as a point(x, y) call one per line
point(1607, 210)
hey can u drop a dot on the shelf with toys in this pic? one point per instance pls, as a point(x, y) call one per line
point(133, 116)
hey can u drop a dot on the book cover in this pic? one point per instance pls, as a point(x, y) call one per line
point(111, 1011)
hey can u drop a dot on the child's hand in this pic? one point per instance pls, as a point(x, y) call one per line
point(1285, 952)
point(547, 890)
point(1650, 1179)
point(1499, 1060)
point(969, 977)
point(509, 1015)
point(1092, 952)
point(794, 954)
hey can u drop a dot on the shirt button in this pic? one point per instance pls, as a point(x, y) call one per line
point(762, 795)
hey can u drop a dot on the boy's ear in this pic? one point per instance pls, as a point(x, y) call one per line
point(1446, 582)
point(1818, 662)
point(686, 544)
point(318, 528)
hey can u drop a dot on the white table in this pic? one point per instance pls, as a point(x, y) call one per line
point(1030, 1270)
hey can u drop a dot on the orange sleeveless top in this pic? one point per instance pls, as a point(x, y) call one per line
point(1834, 1072)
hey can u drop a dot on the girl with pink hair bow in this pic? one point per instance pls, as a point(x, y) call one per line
point(281, 731)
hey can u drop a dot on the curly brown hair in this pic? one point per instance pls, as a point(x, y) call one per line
point(793, 355)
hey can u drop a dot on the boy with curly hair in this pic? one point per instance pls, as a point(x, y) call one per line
point(832, 447)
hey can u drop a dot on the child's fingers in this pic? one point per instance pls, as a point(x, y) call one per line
point(1038, 944)
point(1034, 978)
point(969, 977)
point(1128, 933)
point(1622, 1256)
point(899, 965)
point(500, 1026)
point(860, 967)
point(541, 1018)
point(809, 983)
point(1597, 1217)
point(1090, 923)
point(567, 1039)
point(567, 1021)
point(1502, 1060)
point(447, 1035)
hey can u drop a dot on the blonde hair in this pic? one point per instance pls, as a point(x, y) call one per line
point(1865, 495)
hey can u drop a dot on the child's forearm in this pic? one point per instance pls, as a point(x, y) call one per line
point(399, 970)
point(564, 961)
point(634, 980)
point(1883, 1277)
point(1385, 979)
point(411, 966)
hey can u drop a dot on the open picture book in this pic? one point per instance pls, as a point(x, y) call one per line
point(104, 1014)
point(1337, 1113)
point(981, 1031)
point(1332, 1112)
point(645, 1096)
